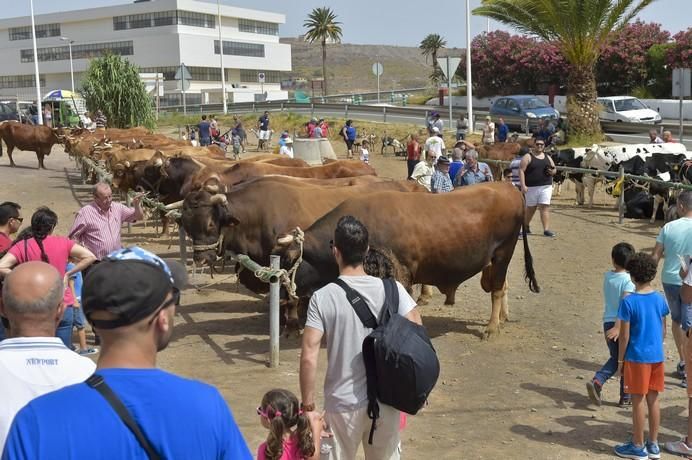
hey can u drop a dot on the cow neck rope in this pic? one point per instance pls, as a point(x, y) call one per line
point(289, 277)
point(217, 247)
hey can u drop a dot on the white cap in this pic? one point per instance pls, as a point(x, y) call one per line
point(436, 129)
point(288, 140)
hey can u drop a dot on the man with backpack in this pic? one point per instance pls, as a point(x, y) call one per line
point(336, 311)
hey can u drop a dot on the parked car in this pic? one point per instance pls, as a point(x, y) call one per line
point(7, 112)
point(523, 106)
point(627, 109)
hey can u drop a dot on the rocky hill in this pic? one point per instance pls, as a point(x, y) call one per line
point(349, 67)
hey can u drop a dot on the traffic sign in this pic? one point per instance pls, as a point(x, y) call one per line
point(377, 69)
point(183, 85)
point(183, 73)
point(451, 65)
point(260, 77)
point(682, 82)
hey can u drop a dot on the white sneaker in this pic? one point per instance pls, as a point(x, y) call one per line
point(678, 447)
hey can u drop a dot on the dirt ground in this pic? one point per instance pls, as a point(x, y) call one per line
point(520, 394)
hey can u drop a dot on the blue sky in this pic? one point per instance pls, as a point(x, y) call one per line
point(387, 22)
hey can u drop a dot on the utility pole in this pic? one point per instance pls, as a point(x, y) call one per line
point(223, 74)
point(38, 81)
point(469, 91)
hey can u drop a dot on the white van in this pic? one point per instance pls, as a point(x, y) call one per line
point(628, 109)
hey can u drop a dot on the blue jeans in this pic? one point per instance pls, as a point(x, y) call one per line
point(64, 331)
point(611, 366)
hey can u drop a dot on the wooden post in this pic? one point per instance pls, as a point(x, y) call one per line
point(182, 241)
point(621, 198)
point(275, 264)
point(384, 114)
point(128, 200)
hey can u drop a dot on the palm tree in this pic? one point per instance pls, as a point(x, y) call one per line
point(580, 28)
point(429, 46)
point(322, 26)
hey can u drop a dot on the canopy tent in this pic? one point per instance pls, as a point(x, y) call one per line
point(60, 94)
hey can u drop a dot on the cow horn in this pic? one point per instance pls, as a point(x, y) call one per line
point(158, 162)
point(211, 188)
point(219, 198)
point(285, 240)
point(126, 163)
point(176, 205)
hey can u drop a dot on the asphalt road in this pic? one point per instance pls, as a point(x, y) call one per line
point(353, 113)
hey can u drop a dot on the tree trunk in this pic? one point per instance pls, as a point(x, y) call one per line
point(324, 67)
point(582, 107)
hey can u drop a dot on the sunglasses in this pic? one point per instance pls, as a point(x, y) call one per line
point(540, 144)
point(20, 219)
point(331, 244)
point(174, 300)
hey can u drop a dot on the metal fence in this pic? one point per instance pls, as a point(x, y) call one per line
point(421, 113)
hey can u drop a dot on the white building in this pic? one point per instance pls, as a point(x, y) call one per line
point(157, 35)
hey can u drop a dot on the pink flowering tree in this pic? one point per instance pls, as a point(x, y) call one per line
point(680, 54)
point(622, 65)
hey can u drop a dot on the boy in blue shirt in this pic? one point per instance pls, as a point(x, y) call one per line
point(641, 356)
point(616, 285)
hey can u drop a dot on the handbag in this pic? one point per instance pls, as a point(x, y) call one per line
point(99, 384)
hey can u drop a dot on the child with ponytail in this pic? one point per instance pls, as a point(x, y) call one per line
point(293, 435)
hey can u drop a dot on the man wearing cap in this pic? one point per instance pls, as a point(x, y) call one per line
point(32, 360)
point(435, 143)
point(287, 148)
point(440, 181)
point(178, 417)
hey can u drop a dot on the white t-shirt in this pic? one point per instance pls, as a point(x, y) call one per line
point(31, 367)
point(286, 150)
point(422, 173)
point(489, 133)
point(364, 155)
point(345, 384)
point(436, 144)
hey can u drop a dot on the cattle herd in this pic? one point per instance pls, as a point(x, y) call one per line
point(268, 205)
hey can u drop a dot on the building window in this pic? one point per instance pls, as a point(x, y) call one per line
point(86, 51)
point(250, 76)
point(20, 81)
point(164, 18)
point(197, 73)
point(42, 31)
point(240, 49)
point(258, 27)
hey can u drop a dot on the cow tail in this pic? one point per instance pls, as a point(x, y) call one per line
point(529, 273)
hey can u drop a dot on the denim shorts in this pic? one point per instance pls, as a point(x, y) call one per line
point(679, 312)
point(78, 318)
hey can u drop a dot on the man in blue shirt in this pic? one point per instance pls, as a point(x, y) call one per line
point(502, 130)
point(130, 298)
point(204, 128)
point(473, 172)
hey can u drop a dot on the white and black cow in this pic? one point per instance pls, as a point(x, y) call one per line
point(580, 157)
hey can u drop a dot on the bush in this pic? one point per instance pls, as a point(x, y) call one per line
point(112, 84)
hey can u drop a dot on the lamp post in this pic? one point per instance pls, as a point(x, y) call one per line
point(69, 44)
point(223, 76)
point(36, 76)
point(469, 91)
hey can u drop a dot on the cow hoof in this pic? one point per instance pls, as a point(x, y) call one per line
point(292, 328)
point(423, 300)
point(504, 318)
point(491, 331)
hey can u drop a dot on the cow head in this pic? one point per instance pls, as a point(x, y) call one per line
point(59, 135)
point(288, 247)
point(150, 173)
point(597, 158)
point(205, 216)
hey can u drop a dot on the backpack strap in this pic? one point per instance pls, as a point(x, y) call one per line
point(97, 383)
point(358, 304)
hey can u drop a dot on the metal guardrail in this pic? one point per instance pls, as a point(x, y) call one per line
point(351, 110)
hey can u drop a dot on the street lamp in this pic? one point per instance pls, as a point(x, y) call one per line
point(38, 82)
point(69, 44)
point(469, 91)
point(223, 76)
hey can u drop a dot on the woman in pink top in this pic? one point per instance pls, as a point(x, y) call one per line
point(37, 243)
point(293, 435)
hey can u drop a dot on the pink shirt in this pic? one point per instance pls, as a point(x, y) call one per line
point(57, 249)
point(291, 450)
point(99, 231)
point(5, 242)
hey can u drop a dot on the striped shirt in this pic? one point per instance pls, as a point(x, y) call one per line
point(31, 367)
point(99, 231)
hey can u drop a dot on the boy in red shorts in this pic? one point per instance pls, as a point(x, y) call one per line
point(643, 325)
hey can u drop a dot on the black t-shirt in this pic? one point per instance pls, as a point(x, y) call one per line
point(264, 122)
point(535, 175)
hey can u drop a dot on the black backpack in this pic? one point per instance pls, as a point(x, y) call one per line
point(400, 362)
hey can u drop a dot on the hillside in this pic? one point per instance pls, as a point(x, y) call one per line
point(349, 67)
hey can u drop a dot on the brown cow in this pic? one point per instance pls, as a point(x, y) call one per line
point(481, 226)
point(241, 172)
point(40, 139)
point(253, 214)
point(504, 151)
